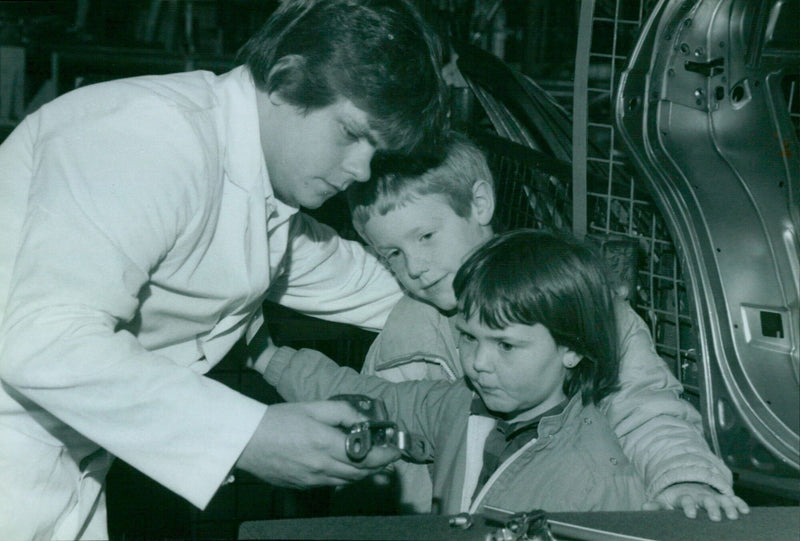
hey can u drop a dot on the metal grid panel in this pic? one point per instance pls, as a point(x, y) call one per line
point(618, 205)
point(528, 194)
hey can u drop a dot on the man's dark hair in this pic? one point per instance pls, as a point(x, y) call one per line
point(527, 277)
point(379, 54)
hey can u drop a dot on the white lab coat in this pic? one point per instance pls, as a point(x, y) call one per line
point(143, 233)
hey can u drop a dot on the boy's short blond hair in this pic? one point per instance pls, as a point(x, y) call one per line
point(397, 180)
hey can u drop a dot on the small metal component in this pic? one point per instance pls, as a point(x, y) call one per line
point(501, 534)
point(530, 526)
point(364, 436)
point(462, 521)
point(375, 410)
point(378, 431)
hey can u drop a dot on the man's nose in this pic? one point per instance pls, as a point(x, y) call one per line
point(357, 162)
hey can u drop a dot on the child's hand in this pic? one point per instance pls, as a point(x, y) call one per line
point(690, 496)
point(259, 364)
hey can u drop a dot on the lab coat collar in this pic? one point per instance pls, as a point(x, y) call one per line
point(244, 162)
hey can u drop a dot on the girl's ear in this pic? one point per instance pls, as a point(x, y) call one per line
point(570, 358)
point(482, 202)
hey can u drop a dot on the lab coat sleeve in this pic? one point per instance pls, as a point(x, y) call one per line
point(334, 279)
point(106, 205)
point(661, 433)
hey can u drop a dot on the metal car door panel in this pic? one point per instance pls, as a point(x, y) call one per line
point(701, 110)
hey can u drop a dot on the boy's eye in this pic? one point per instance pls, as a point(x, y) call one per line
point(390, 258)
point(505, 346)
point(426, 236)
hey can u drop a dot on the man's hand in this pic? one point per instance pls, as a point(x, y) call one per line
point(690, 496)
point(301, 445)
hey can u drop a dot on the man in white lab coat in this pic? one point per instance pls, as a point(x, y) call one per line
point(144, 223)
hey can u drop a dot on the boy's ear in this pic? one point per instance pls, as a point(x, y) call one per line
point(570, 358)
point(359, 229)
point(482, 202)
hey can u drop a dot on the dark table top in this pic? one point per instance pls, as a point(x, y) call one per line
point(763, 523)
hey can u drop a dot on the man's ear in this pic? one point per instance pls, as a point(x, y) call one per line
point(571, 359)
point(286, 71)
point(482, 201)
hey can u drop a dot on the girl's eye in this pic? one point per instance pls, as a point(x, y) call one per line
point(468, 338)
point(426, 236)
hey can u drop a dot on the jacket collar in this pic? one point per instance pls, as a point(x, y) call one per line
point(551, 424)
point(433, 338)
point(511, 429)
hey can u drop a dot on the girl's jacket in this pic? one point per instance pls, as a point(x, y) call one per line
point(576, 463)
point(660, 433)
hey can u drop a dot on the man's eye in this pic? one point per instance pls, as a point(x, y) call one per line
point(348, 133)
